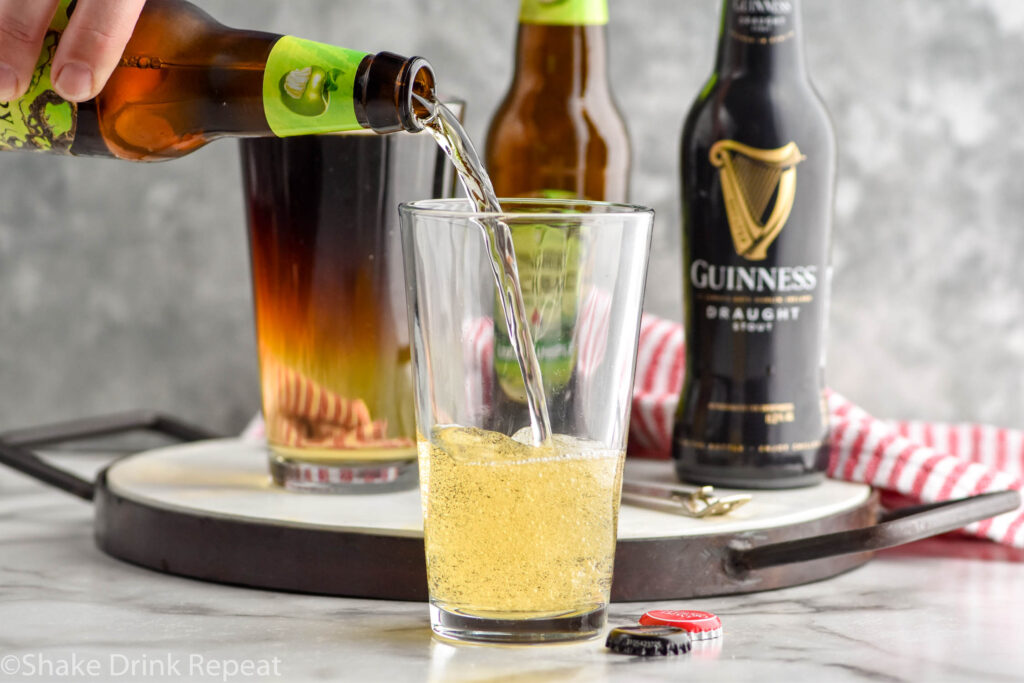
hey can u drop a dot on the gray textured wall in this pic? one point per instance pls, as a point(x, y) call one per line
point(124, 285)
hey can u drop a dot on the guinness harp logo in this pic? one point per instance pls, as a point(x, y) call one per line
point(758, 186)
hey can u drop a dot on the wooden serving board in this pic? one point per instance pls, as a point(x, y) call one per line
point(208, 510)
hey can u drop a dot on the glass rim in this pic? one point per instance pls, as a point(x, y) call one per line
point(461, 207)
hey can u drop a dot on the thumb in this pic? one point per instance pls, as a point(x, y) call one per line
point(92, 45)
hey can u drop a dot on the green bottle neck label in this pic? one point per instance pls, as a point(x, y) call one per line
point(41, 120)
point(564, 12)
point(308, 88)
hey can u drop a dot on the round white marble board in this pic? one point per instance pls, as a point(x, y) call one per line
point(228, 478)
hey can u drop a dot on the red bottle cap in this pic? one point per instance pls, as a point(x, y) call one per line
point(700, 625)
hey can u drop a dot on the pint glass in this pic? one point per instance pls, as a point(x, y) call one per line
point(329, 294)
point(520, 536)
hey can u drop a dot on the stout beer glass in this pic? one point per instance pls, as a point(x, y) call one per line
point(520, 537)
point(329, 296)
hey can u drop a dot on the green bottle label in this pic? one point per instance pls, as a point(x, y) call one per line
point(308, 87)
point(41, 120)
point(548, 257)
point(564, 12)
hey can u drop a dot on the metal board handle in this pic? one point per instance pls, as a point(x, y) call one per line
point(15, 453)
point(27, 462)
point(896, 528)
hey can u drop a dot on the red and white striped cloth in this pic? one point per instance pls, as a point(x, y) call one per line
point(923, 461)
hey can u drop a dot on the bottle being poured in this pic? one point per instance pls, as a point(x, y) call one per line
point(185, 80)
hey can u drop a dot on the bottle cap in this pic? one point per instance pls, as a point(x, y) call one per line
point(648, 641)
point(700, 625)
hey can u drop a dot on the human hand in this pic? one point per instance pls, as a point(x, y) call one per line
point(89, 49)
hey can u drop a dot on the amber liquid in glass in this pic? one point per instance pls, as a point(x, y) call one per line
point(329, 291)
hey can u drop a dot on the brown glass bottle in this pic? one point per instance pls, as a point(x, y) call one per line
point(558, 130)
point(758, 170)
point(557, 134)
point(185, 80)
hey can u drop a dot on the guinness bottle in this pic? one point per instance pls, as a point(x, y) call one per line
point(758, 170)
point(557, 134)
point(185, 80)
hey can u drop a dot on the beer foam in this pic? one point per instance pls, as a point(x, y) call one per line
point(473, 446)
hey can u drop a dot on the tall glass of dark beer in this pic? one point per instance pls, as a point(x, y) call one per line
point(329, 294)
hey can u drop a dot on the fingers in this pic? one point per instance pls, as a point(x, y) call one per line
point(92, 46)
point(22, 27)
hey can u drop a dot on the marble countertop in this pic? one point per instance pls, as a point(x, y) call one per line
point(945, 609)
